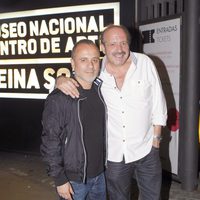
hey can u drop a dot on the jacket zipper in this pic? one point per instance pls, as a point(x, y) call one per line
point(106, 120)
point(84, 150)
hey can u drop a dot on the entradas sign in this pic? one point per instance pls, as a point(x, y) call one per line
point(35, 46)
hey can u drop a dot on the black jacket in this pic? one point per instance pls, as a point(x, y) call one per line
point(62, 137)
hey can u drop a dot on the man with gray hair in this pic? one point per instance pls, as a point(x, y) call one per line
point(74, 136)
point(136, 113)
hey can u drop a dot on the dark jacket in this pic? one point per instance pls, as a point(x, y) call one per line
point(62, 138)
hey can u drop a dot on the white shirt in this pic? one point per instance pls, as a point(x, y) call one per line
point(133, 110)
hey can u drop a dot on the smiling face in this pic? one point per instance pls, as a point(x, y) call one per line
point(85, 62)
point(116, 46)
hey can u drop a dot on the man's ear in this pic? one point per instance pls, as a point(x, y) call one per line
point(102, 47)
point(72, 64)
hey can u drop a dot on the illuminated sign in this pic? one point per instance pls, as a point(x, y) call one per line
point(35, 46)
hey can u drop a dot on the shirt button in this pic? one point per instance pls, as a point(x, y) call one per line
point(122, 112)
point(120, 97)
point(123, 140)
point(123, 126)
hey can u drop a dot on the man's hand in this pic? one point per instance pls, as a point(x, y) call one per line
point(67, 86)
point(65, 191)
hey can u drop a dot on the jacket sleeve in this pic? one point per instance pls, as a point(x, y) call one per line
point(52, 138)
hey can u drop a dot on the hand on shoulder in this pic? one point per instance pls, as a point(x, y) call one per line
point(68, 86)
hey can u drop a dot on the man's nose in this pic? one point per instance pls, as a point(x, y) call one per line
point(119, 47)
point(90, 64)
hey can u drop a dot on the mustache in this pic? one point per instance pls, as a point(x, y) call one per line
point(119, 53)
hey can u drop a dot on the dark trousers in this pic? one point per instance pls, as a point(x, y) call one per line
point(147, 172)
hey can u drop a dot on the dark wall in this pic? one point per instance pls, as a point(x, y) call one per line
point(20, 119)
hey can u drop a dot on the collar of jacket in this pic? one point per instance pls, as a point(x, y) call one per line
point(96, 83)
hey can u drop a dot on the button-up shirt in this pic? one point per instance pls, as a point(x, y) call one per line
point(133, 110)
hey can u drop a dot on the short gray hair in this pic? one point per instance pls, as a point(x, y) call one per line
point(83, 41)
